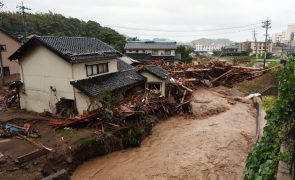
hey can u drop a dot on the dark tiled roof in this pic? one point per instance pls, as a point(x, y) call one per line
point(71, 48)
point(15, 37)
point(123, 66)
point(140, 56)
point(151, 45)
point(114, 81)
point(157, 71)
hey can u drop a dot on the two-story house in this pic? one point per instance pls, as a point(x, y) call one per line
point(152, 50)
point(73, 71)
point(8, 44)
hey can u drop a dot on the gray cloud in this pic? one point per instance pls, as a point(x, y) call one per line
point(175, 15)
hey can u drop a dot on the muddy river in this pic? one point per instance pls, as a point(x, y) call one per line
point(212, 147)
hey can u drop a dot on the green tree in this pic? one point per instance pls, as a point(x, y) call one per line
point(217, 52)
point(185, 54)
point(53, 24)
point(132, 39)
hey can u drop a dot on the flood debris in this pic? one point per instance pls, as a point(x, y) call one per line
point(11, 96)
point(182, 80)
point(65, 122)
point(9, 130)
point(212, 73)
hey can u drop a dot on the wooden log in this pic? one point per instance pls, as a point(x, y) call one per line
point(189, 80)
point(247, 68)
point(191, 70)
point(222, 75)
point(182, 104)
point(32, 155)
point(183, 96)
point(186, 88)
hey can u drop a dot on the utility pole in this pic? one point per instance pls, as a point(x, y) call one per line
point(266, 25)
point(22, 10)
point(255, 42)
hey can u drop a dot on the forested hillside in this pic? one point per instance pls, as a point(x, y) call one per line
point(59, 25)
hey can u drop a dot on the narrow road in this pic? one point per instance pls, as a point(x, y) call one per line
point(212, 147)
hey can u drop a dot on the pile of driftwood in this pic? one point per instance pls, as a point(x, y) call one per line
point(211, 74)
point(151, 103)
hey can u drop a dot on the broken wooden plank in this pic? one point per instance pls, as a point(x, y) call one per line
point(190, 70)
point(32, 155)
point(222, 75)
point(182, 104)
point(186, 88)
point(183, 96)
point(247, 68)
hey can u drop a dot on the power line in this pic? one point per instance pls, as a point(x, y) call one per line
point(189, 35)
point(166, 30)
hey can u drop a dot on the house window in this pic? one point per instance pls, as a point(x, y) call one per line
point(154, 52)
point(95, 69)
point(167, 52)
point(154, 86)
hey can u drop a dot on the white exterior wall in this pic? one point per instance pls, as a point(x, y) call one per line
point(152, 78)
point(79, 69)
point(41, 69)
point(290, 29)
point(158, 53)
point(211, 47)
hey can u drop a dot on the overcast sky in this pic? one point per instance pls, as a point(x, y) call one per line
point(181, 20)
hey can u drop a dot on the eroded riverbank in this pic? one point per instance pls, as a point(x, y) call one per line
point(180, 148)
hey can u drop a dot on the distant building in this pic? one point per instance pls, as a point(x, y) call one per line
point(258, 48)
point(151, 50)
point(10, 43)
point(277, 38)
point(286, 36)
point(236, 49)
point(207, 46)
point(289, 36)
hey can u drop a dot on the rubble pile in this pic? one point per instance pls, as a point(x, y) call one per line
point(155, 104)
point(10, 97)
point(211, 74)
point(184, 78)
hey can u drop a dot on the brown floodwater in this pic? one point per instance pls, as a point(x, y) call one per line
point(214, 147)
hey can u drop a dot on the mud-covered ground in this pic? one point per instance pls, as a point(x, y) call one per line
point(211, 144)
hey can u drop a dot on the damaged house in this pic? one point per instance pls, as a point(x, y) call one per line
point(157, 78)
point(70, 72)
